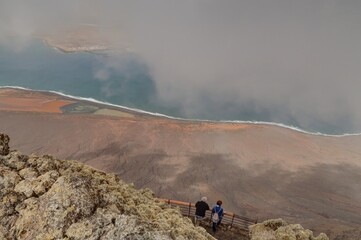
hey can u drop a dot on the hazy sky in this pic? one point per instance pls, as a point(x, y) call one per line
point(294, 61)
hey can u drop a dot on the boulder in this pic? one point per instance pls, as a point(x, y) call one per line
point(278, 229)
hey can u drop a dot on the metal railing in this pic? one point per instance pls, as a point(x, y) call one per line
point(229, 218)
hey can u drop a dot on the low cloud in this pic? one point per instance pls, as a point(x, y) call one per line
point(284, 61)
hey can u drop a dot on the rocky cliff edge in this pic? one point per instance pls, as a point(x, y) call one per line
point(47, 198)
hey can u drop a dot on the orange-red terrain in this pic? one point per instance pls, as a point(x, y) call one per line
point(259, 171)
point(33, 102)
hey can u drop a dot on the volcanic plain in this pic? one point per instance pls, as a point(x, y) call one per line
point(258, 171)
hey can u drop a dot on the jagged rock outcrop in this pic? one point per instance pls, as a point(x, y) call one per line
point(4, 144)
point(46, 198)
point(278, 229)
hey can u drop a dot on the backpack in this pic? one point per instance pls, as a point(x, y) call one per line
point(215, 216)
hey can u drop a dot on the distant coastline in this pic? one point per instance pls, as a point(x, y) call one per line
point(92, 100)
point(81, 38)
point(73, 48)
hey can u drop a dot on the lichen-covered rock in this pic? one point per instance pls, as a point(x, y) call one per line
point(4, 144)
point(14, 160)
point(46, 198)
point(278, 229)
point(28, 173)
point(274, 224)
point(25, 188)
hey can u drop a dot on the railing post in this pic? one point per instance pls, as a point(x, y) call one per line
point(232, 220)
point(189, 211)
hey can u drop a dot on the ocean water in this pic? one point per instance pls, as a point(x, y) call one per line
point(121, 80)
point(40, 67)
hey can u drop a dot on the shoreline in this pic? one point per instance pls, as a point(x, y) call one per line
point(74, 49)
point(154, 114)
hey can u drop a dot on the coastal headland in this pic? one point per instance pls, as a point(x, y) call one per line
point(260, 171)
point(83, 38)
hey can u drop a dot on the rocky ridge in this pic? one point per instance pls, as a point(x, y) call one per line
point(47, 198)
point(278, 229)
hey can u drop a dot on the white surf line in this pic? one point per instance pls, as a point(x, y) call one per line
point(45, 42)
point(294, 128)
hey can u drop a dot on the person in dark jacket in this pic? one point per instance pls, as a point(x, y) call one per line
point(219, 210)
point(201, 208)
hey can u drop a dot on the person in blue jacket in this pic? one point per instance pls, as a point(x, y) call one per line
point(219, 210)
